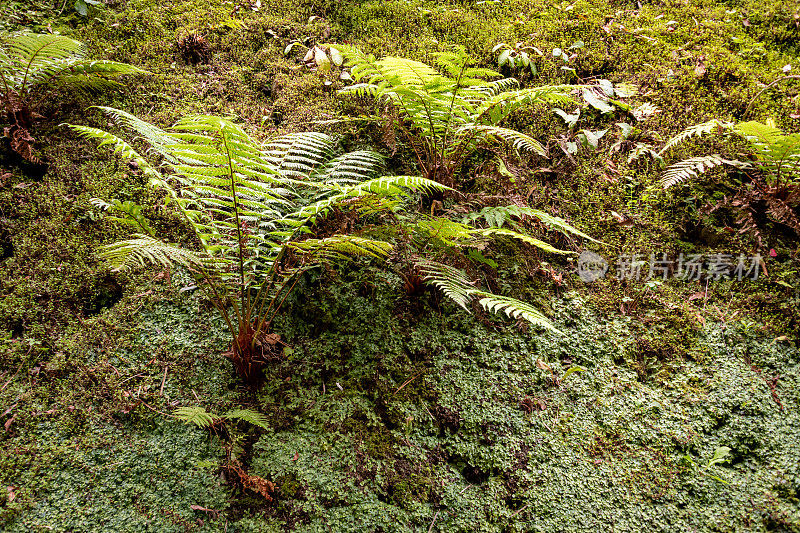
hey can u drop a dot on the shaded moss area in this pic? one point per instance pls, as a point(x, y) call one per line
point(391, 411)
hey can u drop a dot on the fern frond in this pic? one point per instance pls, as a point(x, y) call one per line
point(249, 416)
point(297, 155)
point(697, 130)
point(342, 247)
point(527, 239)
point(386, 186)
point(194, 415)
point(451, 281)
point(349, 168)
point(559, 224)
point(118, 146)
point(157, 138)
point(694, 167)
point(31, 59)
point(519, 141)
point(445, 230)
point(514, 308)
point(143, 250)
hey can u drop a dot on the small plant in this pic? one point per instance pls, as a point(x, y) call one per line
point(447, 115)
point(194, 49)
point(772, 168)
point(32, 66)
point(516, 57)
point(258, 219)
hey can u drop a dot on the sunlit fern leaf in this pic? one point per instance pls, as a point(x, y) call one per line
point(194, 415)
point(386, 186)
point(343, 247)
point(443, 229)
point(297, 155)
point(559, 224)
point(157, 138)
point(503, 232)
point(118, 146)
point(406, 72)
point(249, 416)
point(514, 308)
point(349, 168)
point(451, 281)
point(31, 59)
point(498, 106)
point(143, 250)
point(519, 141)
point(698, 130)
point(694, 167)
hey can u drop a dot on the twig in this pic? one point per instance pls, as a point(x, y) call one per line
point(409, 380)
point(519, 511)
point(163, 381)
point(782, 78)
point(434, 521)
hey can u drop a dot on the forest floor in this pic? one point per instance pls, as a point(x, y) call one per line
point(664, 406)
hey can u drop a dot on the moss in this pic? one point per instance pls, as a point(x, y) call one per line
point(668, 374)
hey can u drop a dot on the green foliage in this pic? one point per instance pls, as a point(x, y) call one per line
point(33, 65)
point(201, 418)
point(251, 209)
point(30, 60)
point(776, 155)
point(452, 111)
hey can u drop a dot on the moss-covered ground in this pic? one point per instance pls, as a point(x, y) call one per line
point(390, 411)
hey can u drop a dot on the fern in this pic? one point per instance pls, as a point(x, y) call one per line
point(527, 239)
point(201, 418)
point(694, 167)
point(145, 250)
point(194, 415)
point(30, 60)
point(454, 284)
point(449, 280)
point(514, 308)
point(698, 130)
point(248, 415)
point(32, 65)
point(453, 112)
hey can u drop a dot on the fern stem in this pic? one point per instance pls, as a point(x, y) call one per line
point(238, 222)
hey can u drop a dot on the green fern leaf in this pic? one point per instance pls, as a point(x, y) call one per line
point(697, 130)
point(194, 415)
point(249, 416)
point(515, 309)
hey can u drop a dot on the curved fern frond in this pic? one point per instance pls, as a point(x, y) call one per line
point(527, 239)
point(519, 141)
point(157, 138)
point(451, 281)
point(349, 168)
point(143, 250)
point(297, 155)
point(118, 146)
point(249, 416)
point(342, 247)
point(698, 130)
point(194, 415)
point(694, 167)
point(514, 308)
point(559, 224)
point(386, 186)
point(455, 285)
point(31, 59)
